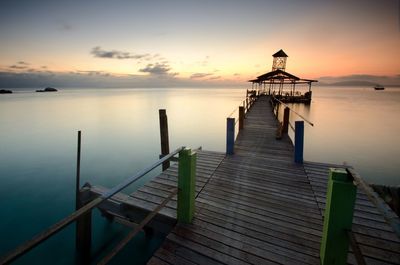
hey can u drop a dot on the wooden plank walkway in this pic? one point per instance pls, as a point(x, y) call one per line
point(254, 207)
point(259, 207)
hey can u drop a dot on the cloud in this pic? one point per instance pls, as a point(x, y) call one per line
point(157, 69)
point(18, 67)
point(114, 54)
point(94, 73)
point(214, 77)
point(200, 75)
point(89, 78)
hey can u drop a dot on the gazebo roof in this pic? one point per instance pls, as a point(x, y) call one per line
point(280, 53)
point(279, 75)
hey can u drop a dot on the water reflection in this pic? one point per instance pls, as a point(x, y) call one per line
point(120, 137)
point(355, 125)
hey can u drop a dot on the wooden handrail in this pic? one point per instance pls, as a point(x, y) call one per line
point(298, 114)
point(57, 227)
point(390, 217)
point(137, 229)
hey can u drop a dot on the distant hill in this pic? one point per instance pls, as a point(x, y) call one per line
point(353, 83)
point(360, 80)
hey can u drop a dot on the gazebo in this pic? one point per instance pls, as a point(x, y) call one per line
point(281, 84)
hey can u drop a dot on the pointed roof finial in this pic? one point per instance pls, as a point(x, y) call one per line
point(280, 53)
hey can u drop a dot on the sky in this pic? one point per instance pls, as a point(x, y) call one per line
point(172, 43)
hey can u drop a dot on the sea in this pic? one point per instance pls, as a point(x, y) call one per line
point(120, 136)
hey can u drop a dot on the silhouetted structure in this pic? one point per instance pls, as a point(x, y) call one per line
point(47, 89)
point(5, 91)
point(280, 83)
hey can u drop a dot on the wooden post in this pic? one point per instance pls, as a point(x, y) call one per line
point(241, 118)
point(78, 172)
point(298, 141)
point(338, 217)
point(247, 103)
point(83, 229)
point(164, 136)
point(285, 128)
point(186, 186)
point(84, 236)
point(230, 135)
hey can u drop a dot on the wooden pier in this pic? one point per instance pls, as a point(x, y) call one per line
point(259, 207)
point(255, 206)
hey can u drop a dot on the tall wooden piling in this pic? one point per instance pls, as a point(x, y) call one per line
point(186, 186)
point(78, 172)
point(83, 229)
point(164, 136)
point(338, 217)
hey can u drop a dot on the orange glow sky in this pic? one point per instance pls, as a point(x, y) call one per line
point(200, 40)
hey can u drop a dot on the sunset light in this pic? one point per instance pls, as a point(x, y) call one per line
point(199, 41)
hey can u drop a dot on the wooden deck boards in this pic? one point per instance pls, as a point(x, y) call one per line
point(254, 207)
point(259, 207)
point(374, 236)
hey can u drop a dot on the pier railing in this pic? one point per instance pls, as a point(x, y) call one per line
point(283, 128)
point(185, 208)
point(235, 120)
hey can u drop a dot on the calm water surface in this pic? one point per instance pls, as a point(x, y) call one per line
point(121, 136)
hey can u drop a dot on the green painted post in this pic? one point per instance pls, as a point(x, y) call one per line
point(340, 200)
point(186, 185)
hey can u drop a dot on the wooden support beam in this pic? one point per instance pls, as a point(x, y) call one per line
point(338, 217)
point(83, 237)
point(186, 186)
point(164, 137)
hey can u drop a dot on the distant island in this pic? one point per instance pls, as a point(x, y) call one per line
point(5, 91)
point(354, 83)
point(47, 89)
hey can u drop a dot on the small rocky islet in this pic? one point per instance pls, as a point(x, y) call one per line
point(47, 89)
point(5, 91)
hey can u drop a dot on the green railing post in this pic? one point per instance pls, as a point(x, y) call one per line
point(338, 217)
point(186, 185)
